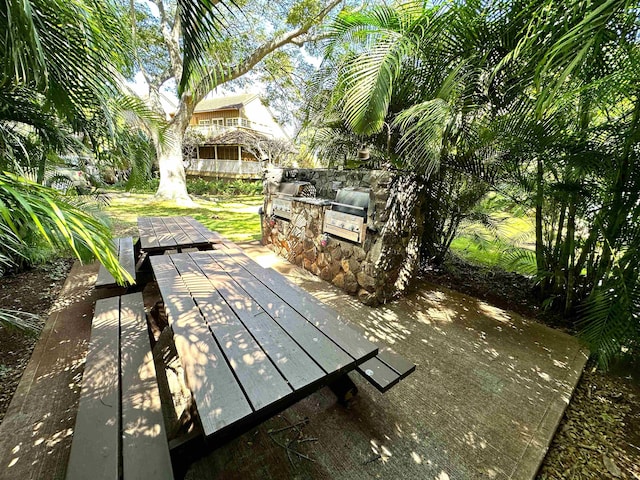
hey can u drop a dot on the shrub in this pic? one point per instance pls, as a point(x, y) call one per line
point(198, 186)
point(148, 186)
point(241, 187)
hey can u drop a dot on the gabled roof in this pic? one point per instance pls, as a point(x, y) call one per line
point(225, 103)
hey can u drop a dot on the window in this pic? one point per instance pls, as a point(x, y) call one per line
point(217, 121)
point(232, 122)
point(204, 123)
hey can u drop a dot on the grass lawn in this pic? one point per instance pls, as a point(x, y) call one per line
point(233, 217)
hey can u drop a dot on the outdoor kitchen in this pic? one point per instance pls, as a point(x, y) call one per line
point(358, 229)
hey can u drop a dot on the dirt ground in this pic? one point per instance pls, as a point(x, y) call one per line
point(598, 438)
point(33, 291)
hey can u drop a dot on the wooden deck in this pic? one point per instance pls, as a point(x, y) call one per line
point(35, 434)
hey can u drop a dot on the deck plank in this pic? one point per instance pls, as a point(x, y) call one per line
point(261, 381)
point(145, 449)
point(296, 365)
point(219, 398)
point(98, 420)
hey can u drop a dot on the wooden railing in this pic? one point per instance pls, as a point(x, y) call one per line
point(235, 124)
point(234, 168)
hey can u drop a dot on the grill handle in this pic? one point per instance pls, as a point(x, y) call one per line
point(348, 205)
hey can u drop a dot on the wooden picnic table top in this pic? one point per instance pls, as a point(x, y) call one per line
point(251, 342)
point(165, 233)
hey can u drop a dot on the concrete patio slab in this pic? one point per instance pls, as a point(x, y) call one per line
point(484, 402)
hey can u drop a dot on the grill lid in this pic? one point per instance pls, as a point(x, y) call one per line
point(293, 189)
point(353, 200)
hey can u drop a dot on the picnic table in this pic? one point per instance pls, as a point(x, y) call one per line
point(159, 234)
point(251, 343)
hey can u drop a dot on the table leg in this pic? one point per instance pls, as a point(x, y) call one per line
point(137, 248)
point(144, 264)
point(344, 389)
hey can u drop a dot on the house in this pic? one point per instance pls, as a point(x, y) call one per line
point(232, 136)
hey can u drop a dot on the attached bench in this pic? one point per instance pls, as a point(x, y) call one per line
point(119, 431)
point(126, 257)
point(386, 369)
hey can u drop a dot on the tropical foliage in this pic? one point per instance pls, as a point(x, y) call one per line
point(537, 100)
point(58, 65)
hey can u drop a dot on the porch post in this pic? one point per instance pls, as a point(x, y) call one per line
point(215, 159)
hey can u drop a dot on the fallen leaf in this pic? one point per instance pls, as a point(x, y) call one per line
point(611, 466)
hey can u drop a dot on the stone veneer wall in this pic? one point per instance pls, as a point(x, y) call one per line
point(375, 271)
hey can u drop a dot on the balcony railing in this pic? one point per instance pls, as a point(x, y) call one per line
point(211, 167)
point(213, 129)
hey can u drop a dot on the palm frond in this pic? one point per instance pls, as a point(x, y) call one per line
point(423, 128)
point(520, 260)
point(201, 22)
point(27, 208)
point(16, 320)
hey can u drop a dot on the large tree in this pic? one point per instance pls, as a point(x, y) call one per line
point(60, 92)
point(247, 33)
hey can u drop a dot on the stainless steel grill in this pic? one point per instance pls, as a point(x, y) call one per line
point(281, 203)
point(349, 214)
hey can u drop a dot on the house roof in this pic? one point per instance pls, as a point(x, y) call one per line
point(225, 103)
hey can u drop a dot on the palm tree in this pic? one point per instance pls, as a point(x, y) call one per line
point(582, 107)
point(538, 96)
point(413, 80)
point(57, 76)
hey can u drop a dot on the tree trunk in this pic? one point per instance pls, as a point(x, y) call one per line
point(540, 259)
point(570, 257)
point(173, 179)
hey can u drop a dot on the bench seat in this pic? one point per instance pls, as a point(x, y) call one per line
point(386, 369)
point(119, 430)
point(126, 257)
